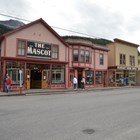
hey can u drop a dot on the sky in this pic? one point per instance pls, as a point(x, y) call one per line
point(106, 19)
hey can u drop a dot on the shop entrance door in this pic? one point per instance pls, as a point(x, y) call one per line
point(45, 78)
point(79, 79)
point(28, 79)
point(36, 76)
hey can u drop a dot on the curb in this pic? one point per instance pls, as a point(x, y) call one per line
point(51, 92)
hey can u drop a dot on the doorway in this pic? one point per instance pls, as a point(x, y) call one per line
point(79, 79)
point(36, 76)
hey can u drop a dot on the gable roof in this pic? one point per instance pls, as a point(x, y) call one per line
point(125, 42)
point(30, 24)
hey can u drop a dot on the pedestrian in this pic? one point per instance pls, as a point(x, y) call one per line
point(4, 82)
point(8, 84)
point(83, 83)
point(75, 83)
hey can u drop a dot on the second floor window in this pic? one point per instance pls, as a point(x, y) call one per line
point(54, 52)
point(82, 56)
point(75, 55)
point(87, 56)
point(132, 60)
point(122, 59)
point(101, 59)
point(21, 47)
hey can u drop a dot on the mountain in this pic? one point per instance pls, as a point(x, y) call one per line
point(4, 29)
point(11, 23)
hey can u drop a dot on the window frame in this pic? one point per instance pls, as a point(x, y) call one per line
point(87, 56)
point(54, 51)
point(101, 58)
point(82, 56)
point(99, 77)
point(21, 48)
point(58, 69)
point(14, 68)
point(132, 60)
point(122, 59)
point(75, 59)
point(89, 77)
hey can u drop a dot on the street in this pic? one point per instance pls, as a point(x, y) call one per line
point(94, 115)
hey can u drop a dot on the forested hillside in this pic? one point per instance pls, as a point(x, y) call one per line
point(100, 41)
point(4, 29)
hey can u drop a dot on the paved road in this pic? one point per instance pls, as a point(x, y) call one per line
point(97, 115)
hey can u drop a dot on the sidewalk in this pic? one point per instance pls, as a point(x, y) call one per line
point(58, 91)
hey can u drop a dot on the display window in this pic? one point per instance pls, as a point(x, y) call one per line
point(58, 74)
point(12, 69)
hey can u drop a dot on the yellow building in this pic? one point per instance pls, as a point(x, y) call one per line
point(123, 63)
point(139, 61)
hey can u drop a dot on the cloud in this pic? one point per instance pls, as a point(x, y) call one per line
point(105, 19)
point(93, 19)
point(133, 24)
point(16, 8)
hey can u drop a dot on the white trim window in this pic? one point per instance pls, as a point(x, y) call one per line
point(122, 59)
point(75, 55)
point(54, 50)
point(98, 77)
point(82, 56)
point(58, 74)
point(101, 59)
point(87, 56)
point(132, 60)
point(89, 77)
point(13, 69)
point(21, 47)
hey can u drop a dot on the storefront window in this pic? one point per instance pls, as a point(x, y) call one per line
point(13, 71)
point(119, 77)
point(98, 77)
point(132, 77)
point(58, 75)
point(89, 77)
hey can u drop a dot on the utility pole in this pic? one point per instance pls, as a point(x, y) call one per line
point(20, 86)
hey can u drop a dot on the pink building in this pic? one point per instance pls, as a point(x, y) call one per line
point(35, 56)
point(87, 60)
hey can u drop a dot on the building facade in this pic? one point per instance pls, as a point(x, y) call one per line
point(87, 60)
point(123, 63)
point(34, 56)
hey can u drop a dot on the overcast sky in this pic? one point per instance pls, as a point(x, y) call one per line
point(107, 19)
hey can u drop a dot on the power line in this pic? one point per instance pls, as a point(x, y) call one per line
point(73, 31)
point(5, 15)
point(23, 19)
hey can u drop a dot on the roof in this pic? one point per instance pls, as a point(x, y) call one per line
point(30, 24)
point(125, 42)
point(87, 43)
point(100, 41)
